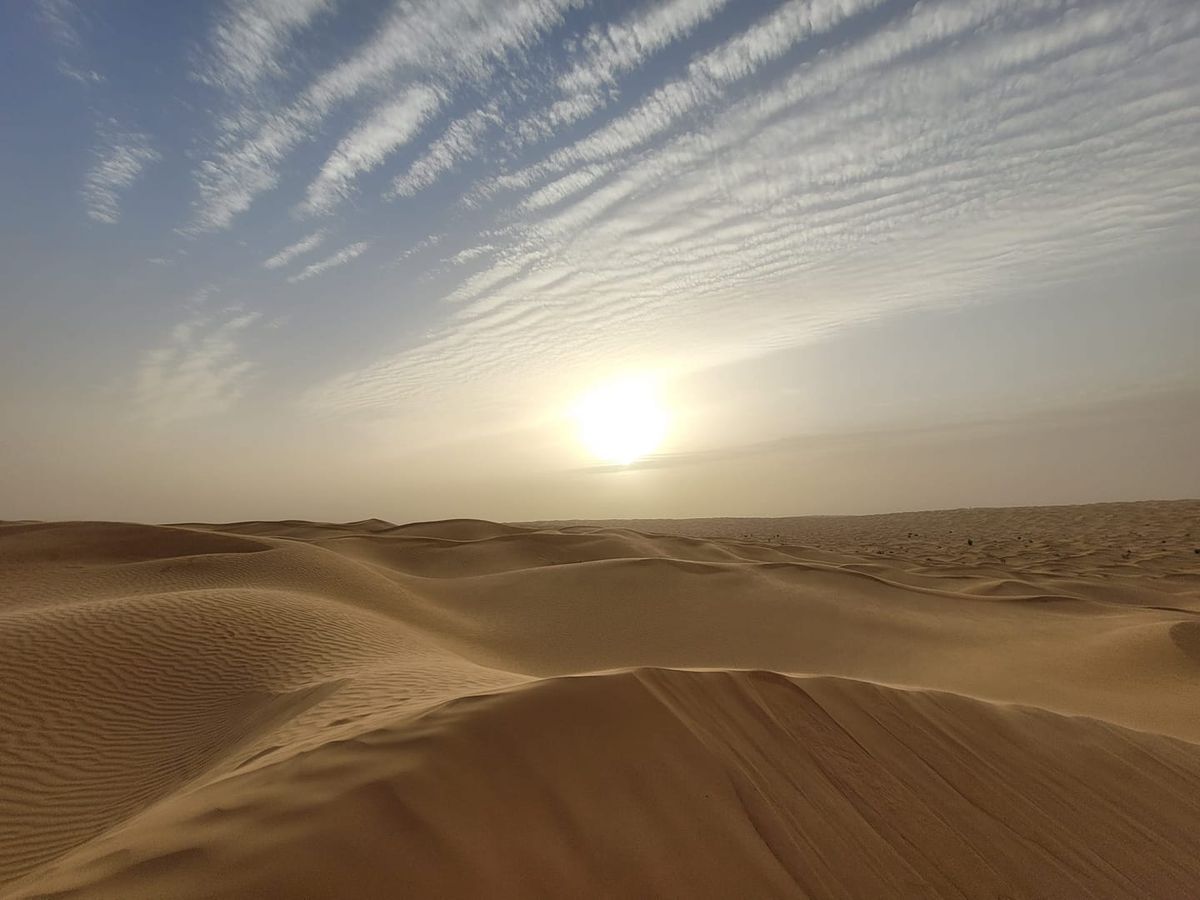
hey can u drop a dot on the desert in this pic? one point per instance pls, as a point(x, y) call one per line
point(978, 702)
point(600, 449)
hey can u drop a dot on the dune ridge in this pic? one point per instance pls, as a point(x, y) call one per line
point(463, 708)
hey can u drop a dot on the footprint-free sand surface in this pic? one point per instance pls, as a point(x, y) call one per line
point(969, 703)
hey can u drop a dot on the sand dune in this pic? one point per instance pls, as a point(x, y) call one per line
point(752, 708)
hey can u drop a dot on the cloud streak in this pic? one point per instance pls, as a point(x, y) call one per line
point(439, 43)
point(950, 152)
point(459, 141)
point(198, 371)
point(120, 160)
point(250, 37)
point(611, 50)
point(292, 251)
point(687, 181)
point(389, 127)
point(340, 258)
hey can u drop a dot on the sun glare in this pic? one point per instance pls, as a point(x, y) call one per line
point(622, 421)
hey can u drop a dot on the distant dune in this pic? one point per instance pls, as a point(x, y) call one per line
point(968, 703)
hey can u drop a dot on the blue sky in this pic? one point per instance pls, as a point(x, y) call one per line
point(345, 258)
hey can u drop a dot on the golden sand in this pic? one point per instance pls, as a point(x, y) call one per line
point(976, 703)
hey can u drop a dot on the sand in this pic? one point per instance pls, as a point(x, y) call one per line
point(968, 703)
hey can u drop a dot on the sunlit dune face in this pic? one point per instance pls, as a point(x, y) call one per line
point(622, 421)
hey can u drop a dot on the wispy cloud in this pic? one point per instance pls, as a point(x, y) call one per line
point(692, 181)
point(331, 262)
point(419, 247)
point(120, 159)
point(292, 251)
point(613, 49)
point(198, 371)
point(824, 167)
point(66, 22)
point(389, 127)
point(707, 77)
point(459, 141)
point(470, 254)
point(622, 46)
point(437, 42)
point(250, 36)
point(228, 182)
point(62, 17)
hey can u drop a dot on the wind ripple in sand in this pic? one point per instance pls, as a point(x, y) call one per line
point(370, 709)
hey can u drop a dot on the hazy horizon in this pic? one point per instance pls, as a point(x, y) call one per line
point(330, 261)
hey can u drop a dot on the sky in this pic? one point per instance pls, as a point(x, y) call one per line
point(333, 259)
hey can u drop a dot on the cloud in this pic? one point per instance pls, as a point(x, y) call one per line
point(198, 371)
point(825, 166)
point(691, 181)
point(331, 262)
point(119, 161)
point(470, 254)
point(458, 142)
point(707, 76)
point(63, 18)
point(250, 36)
point(66, 23)
point(369, 144)
point(431, 41)
point(228, 183)
point(624, 46)
point(290, 252)
point(420, 246)
point(610, 50)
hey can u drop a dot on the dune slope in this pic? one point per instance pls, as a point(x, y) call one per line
point(465, 709)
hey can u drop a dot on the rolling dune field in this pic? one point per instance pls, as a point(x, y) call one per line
point(968, 703)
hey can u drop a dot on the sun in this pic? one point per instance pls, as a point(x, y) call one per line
point(621, 421)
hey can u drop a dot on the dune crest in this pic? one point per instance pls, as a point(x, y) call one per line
point(464, 708)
